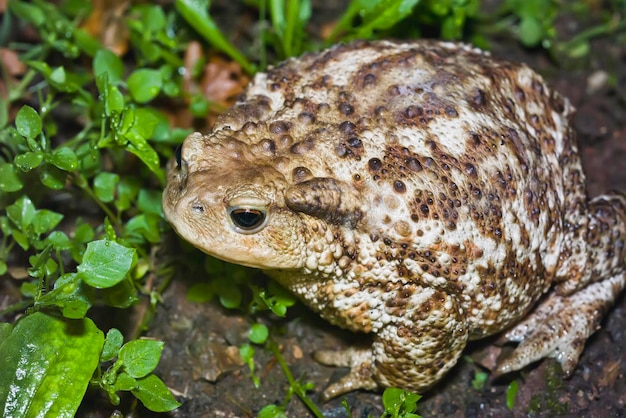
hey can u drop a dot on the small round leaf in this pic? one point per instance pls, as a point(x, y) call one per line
point(258, 333)
point(145, 84)
point(105, 61)
point(105, 263)
point(64, 158)
point(28, 122)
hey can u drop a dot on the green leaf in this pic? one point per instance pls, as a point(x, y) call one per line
point(511, 392)
point(154, 395)
point(272, 411)
point(196, 13)
point(144, 84)
point(105, 263)
point(375, 15)
point(530, 31)
point(64, 158)
point(59, 240)
point(112, 344)
point(29, 160)
point(105, 61)
point(125, 382)
point(127, 190)
point(399, 402)
point(28, 122)
point(5, 331)
point(9, 180)
point(52, 177)
point(143, 226)
point(28, 12)
point(47, 365)
point(70, 294)
point(149, 201)
point(22, 212)
point(144, 123)
point(45, 220)
point(114, 100)
point(85, 42)
point(140, 357)
point(258, 333)
point(480, 378)
point(104, 186)
point(122, 295)
point(200, 293)
point(142, 149)
point(230, 297)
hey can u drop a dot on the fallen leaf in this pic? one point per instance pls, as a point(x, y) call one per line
point(223, 81)
point(11, 63)
point(106, 23)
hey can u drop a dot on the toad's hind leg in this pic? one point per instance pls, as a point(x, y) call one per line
point(411, 351)
point(591, 275)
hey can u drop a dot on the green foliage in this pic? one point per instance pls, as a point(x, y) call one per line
point(83, 264)
point(399, 403)
point(196, 13)
point(479, 380)
point(132, 372)
point(511, 392)
point(49, 375)
point(379, 18)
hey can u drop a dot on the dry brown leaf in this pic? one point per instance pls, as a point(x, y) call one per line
point(3, 5)
point(11, 63)
point(106, 23)
point(222, 81)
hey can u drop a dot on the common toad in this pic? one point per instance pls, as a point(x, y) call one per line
point(422, 192)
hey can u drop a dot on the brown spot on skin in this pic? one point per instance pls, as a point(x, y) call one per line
point(268, 146)
point(399, 186)
point(347, 128)
point(280, 127)
point(302, 147)
point(368, 80)
point(478, 99)
point(306, 118)
point(346, 109)
point(413, 164)
point(301, 174)
point(451, 112)
point(355, 142)
point(374, 164)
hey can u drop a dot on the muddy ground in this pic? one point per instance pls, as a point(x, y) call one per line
point(201, 338)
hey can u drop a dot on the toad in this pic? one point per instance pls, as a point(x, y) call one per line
point(422, 192)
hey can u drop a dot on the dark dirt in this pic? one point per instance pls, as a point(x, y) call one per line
point(201, 339)
point(198, 334)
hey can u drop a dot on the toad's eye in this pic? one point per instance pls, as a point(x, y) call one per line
point(247, 220)
point(179, 156)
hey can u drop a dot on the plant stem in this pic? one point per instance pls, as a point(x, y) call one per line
point(295, 385)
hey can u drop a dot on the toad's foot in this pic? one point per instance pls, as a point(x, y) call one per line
point(560, 325)
point(360, 377)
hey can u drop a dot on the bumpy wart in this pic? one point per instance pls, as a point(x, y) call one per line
point(423, 192)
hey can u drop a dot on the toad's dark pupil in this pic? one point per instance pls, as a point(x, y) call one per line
point(179, 157)
point(247, 218)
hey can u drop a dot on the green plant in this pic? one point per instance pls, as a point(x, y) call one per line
point(400, 403)
point(75, 264)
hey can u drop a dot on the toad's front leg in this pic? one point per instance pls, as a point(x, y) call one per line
point(416, 346)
